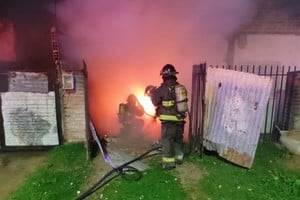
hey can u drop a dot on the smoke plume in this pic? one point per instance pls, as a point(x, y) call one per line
point(126, 42)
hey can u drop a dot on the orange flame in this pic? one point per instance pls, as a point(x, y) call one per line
point(145, 101)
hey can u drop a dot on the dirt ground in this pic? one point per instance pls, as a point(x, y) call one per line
point(14, 166)
point(292, 161)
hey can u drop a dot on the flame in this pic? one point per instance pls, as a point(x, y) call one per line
point(145, 101)
point(149, 108)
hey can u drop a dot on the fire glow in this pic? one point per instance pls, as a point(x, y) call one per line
point(145, 101)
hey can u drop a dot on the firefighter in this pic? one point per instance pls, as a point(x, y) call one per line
point(129, 114)
point(170, 100)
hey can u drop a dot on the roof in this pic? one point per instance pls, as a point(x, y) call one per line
point(275, 17)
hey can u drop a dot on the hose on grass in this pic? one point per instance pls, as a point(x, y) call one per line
point(122, 170)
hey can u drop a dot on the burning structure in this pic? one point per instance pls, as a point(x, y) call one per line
point(124, 46)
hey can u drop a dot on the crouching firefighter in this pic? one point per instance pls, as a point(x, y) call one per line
point(170, 100)
point(129, 115)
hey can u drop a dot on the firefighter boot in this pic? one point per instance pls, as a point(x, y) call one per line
point(179, 159)
point(178, 154)
point(168, 163)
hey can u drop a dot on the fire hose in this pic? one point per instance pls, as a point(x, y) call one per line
point(122, 170)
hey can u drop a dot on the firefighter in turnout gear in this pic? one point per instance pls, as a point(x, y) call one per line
point(170, 100)
point(129, 114)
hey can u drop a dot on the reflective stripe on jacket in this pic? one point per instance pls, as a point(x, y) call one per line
point(164, 98)
point(169, 117)
point(168, 103)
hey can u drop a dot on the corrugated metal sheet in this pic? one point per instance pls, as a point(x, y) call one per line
point(29, 119)
point(27, 82)
point(235, 106)
point(74, 114)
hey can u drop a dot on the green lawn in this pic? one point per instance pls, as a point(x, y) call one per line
point(60, 177)
point(67, 172)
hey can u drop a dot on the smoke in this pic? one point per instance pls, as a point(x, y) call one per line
point(126, 42)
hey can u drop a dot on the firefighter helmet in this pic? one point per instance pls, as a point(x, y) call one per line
point(168, 70)
point(131, 99)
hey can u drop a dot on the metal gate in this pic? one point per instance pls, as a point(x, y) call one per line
point(291, 118)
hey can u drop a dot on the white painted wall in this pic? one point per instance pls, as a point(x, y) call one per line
point(266, 49)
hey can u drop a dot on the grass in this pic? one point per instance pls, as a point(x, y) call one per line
point(155, 184)
point(67, 172)
point(60, 177)
point(267, 179)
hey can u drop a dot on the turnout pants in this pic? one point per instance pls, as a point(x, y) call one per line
point(172, 141)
